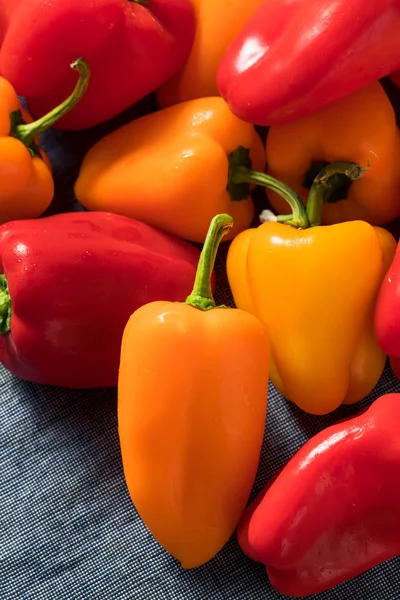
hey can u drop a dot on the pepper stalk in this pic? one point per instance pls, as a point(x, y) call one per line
point(241, 176)
point(325, 183)
point(202, 296)
point(5, 306)
point(28, 132)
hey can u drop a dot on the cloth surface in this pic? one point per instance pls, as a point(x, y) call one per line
point(68, 530)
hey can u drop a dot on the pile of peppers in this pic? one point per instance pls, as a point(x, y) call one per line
point(275, 136)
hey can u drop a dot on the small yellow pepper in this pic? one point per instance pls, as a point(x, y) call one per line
point(315, 289)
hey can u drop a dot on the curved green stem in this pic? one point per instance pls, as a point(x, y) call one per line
point(27, 132)
point(5, 306)
point(241, 176)
point(298, 218)
point(325, 184)
point(202, 296)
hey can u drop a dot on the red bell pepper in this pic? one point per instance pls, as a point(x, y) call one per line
point(7, 7)
point(387, 314)
point(70, 283)
point(334, 510)
point(131, 46)
point(293, 57)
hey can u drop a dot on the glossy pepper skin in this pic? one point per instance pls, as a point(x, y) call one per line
point(294, 57)
point(387, 314)
point(170, 169)
point(333, 512)
point(218, 24)
point(192, 400)
point(27, 185)
point(361, 127)
point(71, 282)
point(315, 291)
point(132, 47)
point(7, 8)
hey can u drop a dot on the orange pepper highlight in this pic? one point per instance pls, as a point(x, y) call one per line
point(192, 399)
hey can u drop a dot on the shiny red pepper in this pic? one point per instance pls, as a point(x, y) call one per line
point(131, 46)
point(71, 282)
point(387, 314)
point(334, 510)
point(293, 57)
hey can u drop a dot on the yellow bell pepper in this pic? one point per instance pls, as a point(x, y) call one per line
point(315, 289)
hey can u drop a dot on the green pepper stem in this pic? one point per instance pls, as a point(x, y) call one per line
point(5, 306)
point(27, 132)
point(202, 296)
point(325, 184)
point(298, 218)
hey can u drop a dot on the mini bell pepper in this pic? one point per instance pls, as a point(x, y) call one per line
point(198, 78)
point(387, 314)
point(333, 511)
point(132, 46)
point(294, 57)
point(27, 185)
point(170, 169)
point(192, 398)
point(358, 128)
point(315, 291)
point(69, 284)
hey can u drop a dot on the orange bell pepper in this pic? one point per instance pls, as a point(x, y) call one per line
point(170, 169)
point(27, 185)
point(218, 24)
point(315, 289)
point(358, 128)
point(192, 399)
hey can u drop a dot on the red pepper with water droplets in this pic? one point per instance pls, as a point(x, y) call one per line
point(69, 284)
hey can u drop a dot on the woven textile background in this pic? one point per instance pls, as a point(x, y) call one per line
point(68, 530)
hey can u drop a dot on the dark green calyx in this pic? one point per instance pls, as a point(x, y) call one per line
point(238, 160)
point(315, 168)
point(16, 121)
point(340, 183)
point(142, 2)
point(5, 306)
point(324, 186)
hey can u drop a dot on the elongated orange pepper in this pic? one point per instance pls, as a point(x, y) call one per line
point(192, 399)
point(27, 185)
point(218, 24)
point(315, 289)
point(170, 169)
point(360, 128)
